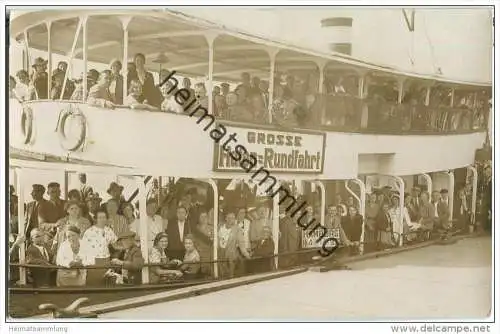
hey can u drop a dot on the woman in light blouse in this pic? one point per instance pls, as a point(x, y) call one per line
point(73, 252)
point(167, 269)
point(73, 218)
point(191, 266)
point(99, 239)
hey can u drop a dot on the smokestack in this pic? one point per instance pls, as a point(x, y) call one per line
point(337, 32)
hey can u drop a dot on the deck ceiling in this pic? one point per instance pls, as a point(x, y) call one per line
point(182, 39)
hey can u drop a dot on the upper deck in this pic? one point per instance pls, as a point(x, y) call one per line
point(420, 123)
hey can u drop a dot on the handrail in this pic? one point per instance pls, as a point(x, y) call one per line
point(397, 111)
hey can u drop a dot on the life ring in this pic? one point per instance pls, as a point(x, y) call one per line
point(73, 142)
point(27, 124)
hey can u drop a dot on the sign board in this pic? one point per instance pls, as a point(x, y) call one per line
point(309, 240)
point(277, 151)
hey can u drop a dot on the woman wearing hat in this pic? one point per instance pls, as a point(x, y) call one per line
point(116, 192)
point(40, 79)
point(73, 252)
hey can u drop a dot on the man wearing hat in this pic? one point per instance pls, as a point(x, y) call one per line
point(55, 207)
point(444, 196)
point(441, 211)
point(131, 261)
point(36, 208)
point(93, 203)
point(116, 192)
point(40, 79)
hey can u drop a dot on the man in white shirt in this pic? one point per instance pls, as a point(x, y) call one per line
point(244, 224)
point(444, 197)
point(177, 230)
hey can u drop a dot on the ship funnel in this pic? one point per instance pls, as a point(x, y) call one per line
point(337, 33)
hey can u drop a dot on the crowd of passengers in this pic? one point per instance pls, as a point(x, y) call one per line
point(95, 243)
point(296, 102)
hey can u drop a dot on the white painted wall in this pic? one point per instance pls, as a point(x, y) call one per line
point(167, 144)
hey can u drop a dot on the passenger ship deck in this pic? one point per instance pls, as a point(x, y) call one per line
point(425, 133)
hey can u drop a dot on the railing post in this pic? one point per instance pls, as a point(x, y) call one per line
point(21, 223)
point(474, 192)
point(361, 200)
point(143, 227)
point(213, 184)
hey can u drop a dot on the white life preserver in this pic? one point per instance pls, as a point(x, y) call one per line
point(72, 142)
point(27, 124)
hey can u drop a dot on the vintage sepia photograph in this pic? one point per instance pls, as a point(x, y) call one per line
point(277, 163)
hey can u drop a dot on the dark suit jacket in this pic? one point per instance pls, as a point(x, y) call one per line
point(353, 226)
point(33, 211)
point(41, 276)
point(175, 247)
point(133, 262)
point(264, 249)
point(151, 92)
point(443, 213)
point(383, 222)
point(118, 98)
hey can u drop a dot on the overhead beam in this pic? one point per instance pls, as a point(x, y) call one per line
point(250, 47)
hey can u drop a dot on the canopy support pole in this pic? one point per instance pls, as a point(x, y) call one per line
point(21, 223)
point(72, 55)
point(125, 20)
point(401, 90)
point(428, 182)
point(361, 200)
point(401, 184)
point(210, 37)
point(474, 193)
point(322, 189)
point(48, 24)
point(276, 227)
point(85, 56)
point(66, 183)
point(272, 52)
point(143, 226)
point(321, 85)
point(361, 86)
point(427, 96)
point(452, 97)
point(213, 184)
point(451, 191)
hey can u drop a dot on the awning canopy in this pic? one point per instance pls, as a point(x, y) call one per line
point(182, 39)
